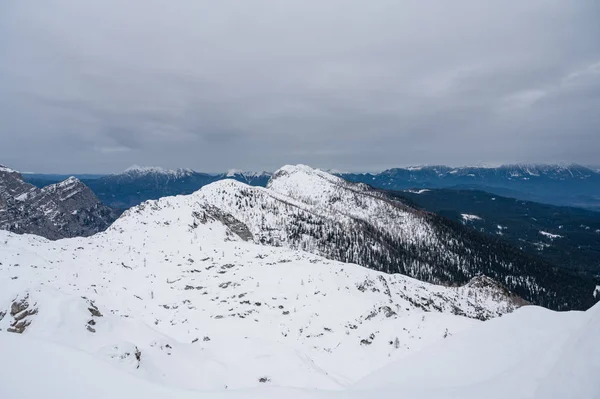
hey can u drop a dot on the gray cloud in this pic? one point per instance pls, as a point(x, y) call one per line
point(99, 85)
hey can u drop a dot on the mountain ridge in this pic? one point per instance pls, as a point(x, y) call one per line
point(313, 211)
point(64, 209)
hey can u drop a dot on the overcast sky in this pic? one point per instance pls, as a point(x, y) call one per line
point(99, 85)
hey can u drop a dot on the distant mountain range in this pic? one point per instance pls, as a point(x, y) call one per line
point(141, 183)
point(568, 185)
point(571, 185)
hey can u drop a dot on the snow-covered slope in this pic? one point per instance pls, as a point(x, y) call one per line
point(185, 290)
point(531, 353)
point(248, 177)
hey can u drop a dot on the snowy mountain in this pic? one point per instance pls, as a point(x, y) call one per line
point(137, 170)
point(532, 353)
point(64, 209)
point(572, 185)
point(307, 209)
point(138, 184)
point(252, 178)
point(176, 298)
point(173, 294)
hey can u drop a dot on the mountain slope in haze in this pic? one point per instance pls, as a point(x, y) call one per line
point(310, 210)
point(172, 294)
point(571, 185)
point(42, 180)
point(64, 209)
point(567, 237)
point(138, 184)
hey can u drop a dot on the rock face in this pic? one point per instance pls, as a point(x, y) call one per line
point(65, 209)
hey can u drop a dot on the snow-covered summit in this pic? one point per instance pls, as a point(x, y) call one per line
point(6, 169)
point(247, 173)
point(156, 170)
point(303, 175)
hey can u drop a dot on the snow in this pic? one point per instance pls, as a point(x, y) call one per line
point(550, 235)
point(68, 188)
point(6, 169)
point(531, 353)
point(236, 172)
point(422, 191)
point(22, 197)
point(300, 189)
point(68, 182)
point(294, 317)
point(470, 218)
point(146, 170)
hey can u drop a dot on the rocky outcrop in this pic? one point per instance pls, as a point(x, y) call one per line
point(65, 209)
point(21, 311)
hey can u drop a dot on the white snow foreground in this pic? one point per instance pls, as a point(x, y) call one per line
point(532, 353)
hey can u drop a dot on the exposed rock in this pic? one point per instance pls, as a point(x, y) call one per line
point(94, 310)
point(65, 209)
point(20, 311)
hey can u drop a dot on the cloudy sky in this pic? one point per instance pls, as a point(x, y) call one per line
point(99, 85)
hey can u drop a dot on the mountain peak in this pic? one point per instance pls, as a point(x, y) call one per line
point(64, 209)
point(70, 183)
point(304, 181)
point(149, 170)
point(245, 173)
point(6, 169)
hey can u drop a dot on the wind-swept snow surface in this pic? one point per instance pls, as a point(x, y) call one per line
point(530, 354)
